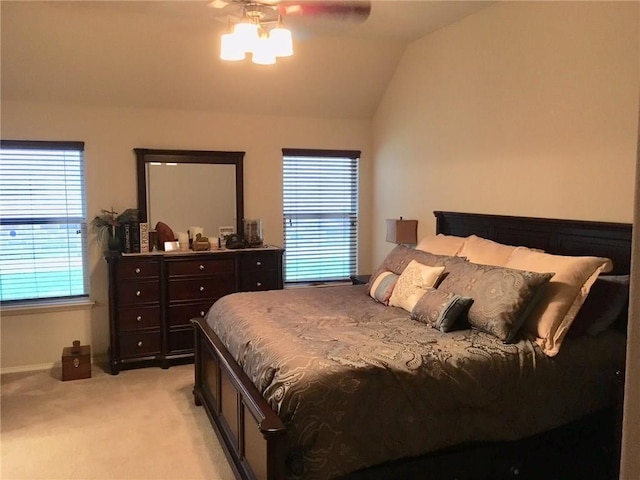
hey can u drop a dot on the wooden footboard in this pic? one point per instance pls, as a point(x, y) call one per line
point(249, 430)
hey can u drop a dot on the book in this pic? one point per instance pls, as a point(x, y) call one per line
point(134, 232)
point(144, 237)
point(129, 233)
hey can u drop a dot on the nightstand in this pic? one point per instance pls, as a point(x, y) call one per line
point(359, 279)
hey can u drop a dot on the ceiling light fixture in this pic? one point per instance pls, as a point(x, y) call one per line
point(264, 38)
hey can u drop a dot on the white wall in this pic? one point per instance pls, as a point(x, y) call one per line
point(110, 134)
point(525, 108)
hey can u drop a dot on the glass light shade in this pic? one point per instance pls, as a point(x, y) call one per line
point(281, 42)
point(263, 53)
point(230, 48)
point(246, 35)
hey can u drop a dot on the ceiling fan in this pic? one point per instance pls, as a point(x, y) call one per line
point(356, 11)
point(257, 26)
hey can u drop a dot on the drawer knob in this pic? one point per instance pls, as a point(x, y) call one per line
point(258, 284)
point(258, 264)
point(138, 270)
point(138, 293)
point(139, 318)
point(202, 289)
point(139, 344)
point(202, 313)
point(201, 267)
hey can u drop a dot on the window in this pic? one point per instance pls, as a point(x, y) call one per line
point(320, 214)
point(42, 221)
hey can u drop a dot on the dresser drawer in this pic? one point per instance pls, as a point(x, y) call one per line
point(136, 318)
point(258, 261)
point(256, 281)
point(181, 341)
point(201, 267)
point(200, 288)
point(135, 293)
point(182, 314)
point(139, 344)
point(134, 269)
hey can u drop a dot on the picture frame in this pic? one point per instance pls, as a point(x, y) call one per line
point(171, 246)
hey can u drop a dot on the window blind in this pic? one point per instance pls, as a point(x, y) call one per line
point(320, 214)
point(42, 221)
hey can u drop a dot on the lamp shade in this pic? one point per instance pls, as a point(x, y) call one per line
point(281, 41)
point(230, 48)
point(263, 53)
point(402, 231)
point(246, 34)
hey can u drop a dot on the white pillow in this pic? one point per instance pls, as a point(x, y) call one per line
point(441, 244)
point(413, 283)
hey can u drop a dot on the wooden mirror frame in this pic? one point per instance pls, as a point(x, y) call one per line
point(147, 155)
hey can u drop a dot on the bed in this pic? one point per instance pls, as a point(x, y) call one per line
point(330, 383)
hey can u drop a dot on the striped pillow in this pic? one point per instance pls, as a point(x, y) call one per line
point(382, 287)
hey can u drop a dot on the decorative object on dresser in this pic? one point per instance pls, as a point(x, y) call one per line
point(253, 233)
point(121, 232)
point(200, 243)
point(153, 297)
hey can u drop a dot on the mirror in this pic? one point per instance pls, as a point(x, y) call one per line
point(188, 188)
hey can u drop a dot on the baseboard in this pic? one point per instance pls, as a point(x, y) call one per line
point(98, 359)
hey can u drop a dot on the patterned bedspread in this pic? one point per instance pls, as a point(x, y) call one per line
point(358, 383)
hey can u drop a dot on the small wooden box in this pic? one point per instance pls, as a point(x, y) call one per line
point(76, 362)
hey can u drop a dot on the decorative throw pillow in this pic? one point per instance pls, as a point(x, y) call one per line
point(441, 244)
point(549, 323)
point(413, 282)
point(398, 259)
point(382, 287)
point(606, 302)
point(440, 309)
point(502, 297)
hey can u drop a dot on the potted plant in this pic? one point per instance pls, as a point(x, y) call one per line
point(106, 226)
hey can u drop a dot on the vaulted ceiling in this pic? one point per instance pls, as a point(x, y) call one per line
point(164, 54)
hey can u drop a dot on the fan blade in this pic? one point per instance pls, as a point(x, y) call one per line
point(356, 11)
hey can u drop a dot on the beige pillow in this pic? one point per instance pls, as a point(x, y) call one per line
point(413, 283)
point(441, 244)
point(564, 294)
point(486, 252)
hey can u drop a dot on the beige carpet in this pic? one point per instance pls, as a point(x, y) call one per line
point(140, 424)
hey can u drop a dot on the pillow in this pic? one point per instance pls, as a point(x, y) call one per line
point(440, 309)
point(550, 321)
point(413, 282)
point(605, 303)
point(502, 297)
point(441, 244)
point(382, 287)
point(398, 259)
point(486, 252)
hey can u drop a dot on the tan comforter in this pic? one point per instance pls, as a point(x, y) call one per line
point(358, 383)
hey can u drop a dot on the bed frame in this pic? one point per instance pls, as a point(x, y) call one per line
point(253, 436)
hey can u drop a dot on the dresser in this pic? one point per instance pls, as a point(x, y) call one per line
point(153, 297)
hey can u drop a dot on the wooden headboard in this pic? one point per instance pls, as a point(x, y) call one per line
point(559, 237)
